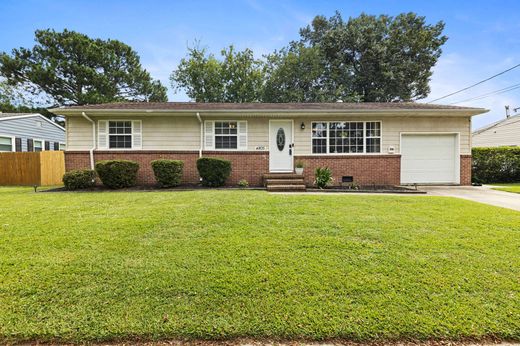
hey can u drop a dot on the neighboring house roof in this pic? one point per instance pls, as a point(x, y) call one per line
point(505, 132)
point(511, 119)
point(12, 116)
point(151, 107)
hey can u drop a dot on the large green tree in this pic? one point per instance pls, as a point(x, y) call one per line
point(298, 74)
point(364, 59)
point(74, 69)
point(377, 58)
point(236, 77)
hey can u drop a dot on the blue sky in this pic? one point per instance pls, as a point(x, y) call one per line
point(484, 36)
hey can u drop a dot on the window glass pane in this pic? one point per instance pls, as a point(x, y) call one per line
point(319, 146)
point(319, 130)
point(373, 129)
point(373, 145)
point(346, 137)
point(120, 142)
point(38, 146)
point(6, 144)
point(6, 141)
point(62, 146)
point(226, 142)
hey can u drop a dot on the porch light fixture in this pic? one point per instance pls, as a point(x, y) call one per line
point(302, 126)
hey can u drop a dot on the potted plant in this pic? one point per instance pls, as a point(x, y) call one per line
point(299, 167)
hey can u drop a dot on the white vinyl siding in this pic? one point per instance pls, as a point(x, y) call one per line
point(183, 132)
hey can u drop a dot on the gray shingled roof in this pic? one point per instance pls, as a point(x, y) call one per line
point(180, 106)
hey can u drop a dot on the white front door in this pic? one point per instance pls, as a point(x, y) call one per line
point(281, 146)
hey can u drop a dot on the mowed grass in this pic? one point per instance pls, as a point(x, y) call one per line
point(512, 187)
point(222, 264)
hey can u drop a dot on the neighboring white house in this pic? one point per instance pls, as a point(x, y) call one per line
point(503, 133)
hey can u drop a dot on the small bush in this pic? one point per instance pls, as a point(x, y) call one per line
point(299, 164)
point(214, 172)
point(243, 183)
point(79, 179)
point(168, 173)
point(117, 174)
point(496, 165)
point(323, 177)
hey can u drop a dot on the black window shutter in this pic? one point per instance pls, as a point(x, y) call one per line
point(56, 146)
point(47, 145)
point(18, 144)
point(30, 144)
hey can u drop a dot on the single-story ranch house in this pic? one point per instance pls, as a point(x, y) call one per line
point(367, 143)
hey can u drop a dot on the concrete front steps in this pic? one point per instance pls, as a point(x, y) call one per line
point(284, 182)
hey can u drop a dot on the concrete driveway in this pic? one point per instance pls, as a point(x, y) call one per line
point(481, 194)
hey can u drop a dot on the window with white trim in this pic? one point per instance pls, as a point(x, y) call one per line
point(38, 145)
point(226, 135)
point(346, 137)
point(373, 137)
point(62, 147)
point(120, 134)
point(6, 144)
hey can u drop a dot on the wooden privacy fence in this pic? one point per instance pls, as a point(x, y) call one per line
point(32, 168)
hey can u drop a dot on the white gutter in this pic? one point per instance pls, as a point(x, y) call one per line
point(91, 150)
point(201, 134)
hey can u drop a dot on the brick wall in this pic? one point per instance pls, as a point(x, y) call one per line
point(465, 169)
point(245, 165)
point(365, 169)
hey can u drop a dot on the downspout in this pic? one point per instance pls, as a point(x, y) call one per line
point(91, 150)
point(201, 134)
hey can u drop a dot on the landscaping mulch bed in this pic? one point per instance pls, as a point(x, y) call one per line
point(192, 187)
point(150, 188)
point(370, 189)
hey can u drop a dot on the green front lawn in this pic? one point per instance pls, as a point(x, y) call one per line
point(512, 187)
point(223, 264)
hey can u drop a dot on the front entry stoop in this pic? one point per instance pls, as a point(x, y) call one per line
point(284, 182)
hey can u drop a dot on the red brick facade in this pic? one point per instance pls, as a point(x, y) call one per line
point(465, 169)
point(246, 165)
point(251, 165)
point(365, 169)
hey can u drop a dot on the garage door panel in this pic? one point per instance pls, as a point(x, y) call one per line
point(429, 158)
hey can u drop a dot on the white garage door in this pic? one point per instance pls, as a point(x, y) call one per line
point(429, 159)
